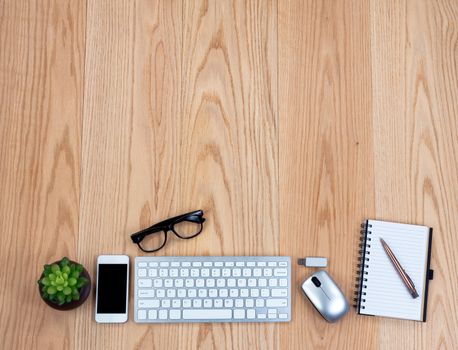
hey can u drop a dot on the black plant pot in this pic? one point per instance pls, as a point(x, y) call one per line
point(84, 292)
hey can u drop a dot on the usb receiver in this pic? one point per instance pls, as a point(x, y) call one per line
point(313, 261)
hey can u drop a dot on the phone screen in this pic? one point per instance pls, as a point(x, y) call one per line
point(112, 289)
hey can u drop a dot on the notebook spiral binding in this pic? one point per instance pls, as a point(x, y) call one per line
point(363, 262)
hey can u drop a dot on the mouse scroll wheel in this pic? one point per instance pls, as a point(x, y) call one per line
point(316, 281)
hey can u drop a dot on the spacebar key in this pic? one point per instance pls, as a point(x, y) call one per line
point(203, 314)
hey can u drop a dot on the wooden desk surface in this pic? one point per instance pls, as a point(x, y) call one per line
point(288, 122)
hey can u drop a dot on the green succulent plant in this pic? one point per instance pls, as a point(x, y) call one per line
point(62, 282)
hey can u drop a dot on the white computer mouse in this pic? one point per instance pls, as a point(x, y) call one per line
point(326, 296)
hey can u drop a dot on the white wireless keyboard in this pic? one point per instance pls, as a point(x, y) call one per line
point(212, 289)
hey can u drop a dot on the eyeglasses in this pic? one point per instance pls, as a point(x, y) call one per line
point(185, 226)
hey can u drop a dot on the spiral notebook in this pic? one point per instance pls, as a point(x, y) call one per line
point(380, 290)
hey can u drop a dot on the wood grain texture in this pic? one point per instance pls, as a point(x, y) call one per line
point(288, 122)
point(41, 99)
point(326, 169)
point(414, 68)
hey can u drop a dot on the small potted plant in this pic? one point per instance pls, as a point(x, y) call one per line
point(64, 284)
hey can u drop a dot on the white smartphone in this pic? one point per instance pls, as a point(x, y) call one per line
point(112, 293)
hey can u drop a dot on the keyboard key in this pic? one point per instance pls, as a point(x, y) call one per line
point(189, 283)
point(228, 302)
point(152, 314)
point(179, 283)
point(262, 263)
point(229, 263)
point(254, 293)
point(210, 283)
point(173, 273)
point(200, 282)
point(202, 293)
point(192, 293)
point(223, 293)
point(175, 264)
point(148, 303)
point(257, 272)
point(186, 264)
point(157, 283)
point(231, 282)
point(162, 314)
point(168, 283)
point(216, 272)
point(194, 272)
point(267, 272)
point(272, 263)
point(153, 264)
point(273, 282)
point(236, 272)
point(283, 316)
point(175, 314)
point(252, 282)
point(141, 314)
point(244, 293)
point(281, 272)
point(176, 303)
point(218, 303)
point(208, 303)
point(165, 303)
point(141, 272)
point(144, 283)
point(279, 292)
point(142, 264)
point(184, 273)
point(226, 272)
point(283, 282)
point(239, 263)
point(264, 292)
point(208, 263)
point(164, 264)
point(171, 293)
point(276, 302)
point(196, 264)
point(250, 264)
point(246, 272)
point(238, 302)
point(250, 314)
point(241, 282)
point(146, 293)
point(205, 272)
point(196, 303)
point(249, 303)
point(282, 263)
point(207, 314)
point(218, 263)
point(262, 282)
point(262, 316)
point(160, 293)
point(181, 293)
point(239, 313)
point(221, 282)
point(213, 293)
point(152, 272)
point(260, 302)
point(234, 293)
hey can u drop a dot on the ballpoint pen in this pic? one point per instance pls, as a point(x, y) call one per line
point(404, 276)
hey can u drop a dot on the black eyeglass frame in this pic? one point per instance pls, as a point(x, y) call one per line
point(168, 225)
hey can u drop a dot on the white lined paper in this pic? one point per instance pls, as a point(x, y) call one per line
point(386, 294)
